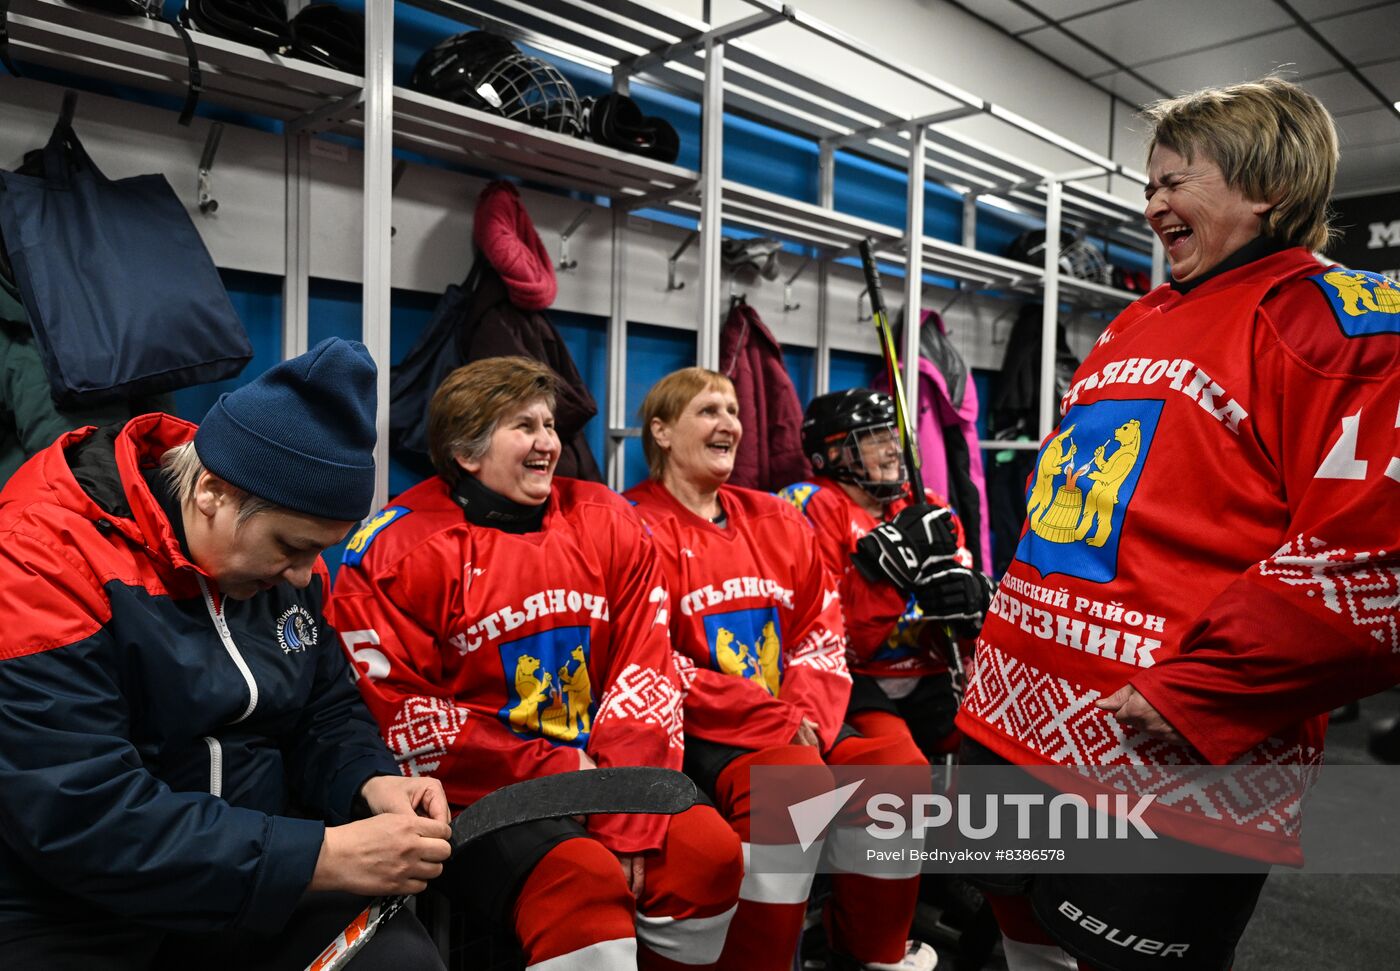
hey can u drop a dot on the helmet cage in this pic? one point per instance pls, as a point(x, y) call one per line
point(849, 464)
point(487, 72)
point(532, 91)
point(325, 34)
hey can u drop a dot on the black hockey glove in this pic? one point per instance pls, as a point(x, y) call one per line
point(909, 550)
point(956, 594)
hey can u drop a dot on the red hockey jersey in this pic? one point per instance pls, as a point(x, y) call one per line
point(489, 657)
point(752, 602)
point(886, 633)
point(1213, 521)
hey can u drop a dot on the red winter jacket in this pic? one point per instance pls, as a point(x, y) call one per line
point(770, 453)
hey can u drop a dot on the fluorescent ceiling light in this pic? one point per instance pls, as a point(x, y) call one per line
point(1002, 204)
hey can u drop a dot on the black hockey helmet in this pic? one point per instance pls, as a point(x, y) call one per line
point(325, 34)
point(617, 121)
point(454, 68)
point(258, 23)
point(1078, 258)
point(833, 428)
point(485, 71)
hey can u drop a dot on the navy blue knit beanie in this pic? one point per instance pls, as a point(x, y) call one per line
point(302, 434)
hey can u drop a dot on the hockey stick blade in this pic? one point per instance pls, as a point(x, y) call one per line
point(632, 789)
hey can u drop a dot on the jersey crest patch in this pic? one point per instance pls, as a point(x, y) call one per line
point(359, 543)
point(1363, 302)
point(904, 640)
point(548, 690)
point(799, 494)
point(747, 644)
point(1084, 481)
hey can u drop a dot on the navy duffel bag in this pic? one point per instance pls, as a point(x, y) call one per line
point(122, 295)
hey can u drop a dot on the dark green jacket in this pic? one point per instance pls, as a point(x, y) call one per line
point(29, 420)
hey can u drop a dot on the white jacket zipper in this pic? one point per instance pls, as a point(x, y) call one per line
point(216, 766)
point(221, 625)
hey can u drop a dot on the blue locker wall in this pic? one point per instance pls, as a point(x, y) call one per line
point(754, 154)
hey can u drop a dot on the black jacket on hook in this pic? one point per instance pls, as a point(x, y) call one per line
point(1015, 416)
point(476, 321)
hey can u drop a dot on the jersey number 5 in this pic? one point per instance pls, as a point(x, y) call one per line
point(368, 660)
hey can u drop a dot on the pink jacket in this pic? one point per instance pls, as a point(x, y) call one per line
point(948, 469)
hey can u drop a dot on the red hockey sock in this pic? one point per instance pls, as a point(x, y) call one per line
point(869, 918)
point(772, 906)
point(574, 898)
point(688, 894)
point(1028, 947)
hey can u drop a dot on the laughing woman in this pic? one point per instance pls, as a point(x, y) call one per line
point(760, 647)
point(510, 625)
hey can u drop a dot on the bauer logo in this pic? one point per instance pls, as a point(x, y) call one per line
point(1085, 477)
point(548, 689)
point(748, 644)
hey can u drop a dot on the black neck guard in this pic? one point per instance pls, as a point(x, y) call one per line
point(483, 507)
point(1256, 249)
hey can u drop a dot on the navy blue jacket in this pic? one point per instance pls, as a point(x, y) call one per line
point(152, 765)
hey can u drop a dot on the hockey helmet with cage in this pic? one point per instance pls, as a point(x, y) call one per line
point(1078, 258)
point(832, 432)
point(257, 23)
point(485, 71)
point(324, 34)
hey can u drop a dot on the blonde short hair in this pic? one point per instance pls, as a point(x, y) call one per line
point(182, 468)
point(667, 399)
point(1273, 141)
point(470, 402)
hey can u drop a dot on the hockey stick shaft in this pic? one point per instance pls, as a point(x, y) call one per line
point(913, 466)
point(632, 789)
point(906, 426)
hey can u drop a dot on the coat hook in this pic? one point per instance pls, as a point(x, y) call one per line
point(671, 282)
point(400, 166)
point(70, 105)
point(998, 319)
point(564, 262)
point(207, 203)
point(788, 305)
point(958, 294)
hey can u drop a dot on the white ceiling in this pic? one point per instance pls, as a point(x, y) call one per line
point(1346, 52)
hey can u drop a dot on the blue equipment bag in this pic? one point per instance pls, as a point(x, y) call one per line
point(122, 295)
